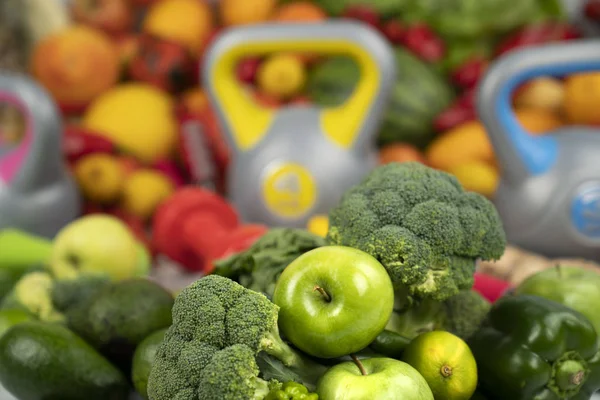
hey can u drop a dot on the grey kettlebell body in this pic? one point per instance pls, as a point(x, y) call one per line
point(549, 193)
point(37, 193)
point(292, 163)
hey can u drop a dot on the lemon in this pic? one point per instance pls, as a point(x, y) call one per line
point(138, 118)
point(281, 76)
point(319, 224)
point(100, 177)
point(446, 362)
point(477, 176)
point(144, 190)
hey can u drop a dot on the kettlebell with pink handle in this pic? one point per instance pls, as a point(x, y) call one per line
point(37, 192)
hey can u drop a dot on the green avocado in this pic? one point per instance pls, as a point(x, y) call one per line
point(44, 361)
point(9, 318)
point(143, 359)
point(118, 317)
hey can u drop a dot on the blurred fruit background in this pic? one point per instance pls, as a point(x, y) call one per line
point(138, 125)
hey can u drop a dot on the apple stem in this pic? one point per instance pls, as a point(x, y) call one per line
point(359, 364)
point(323, 293)
point(446, 371)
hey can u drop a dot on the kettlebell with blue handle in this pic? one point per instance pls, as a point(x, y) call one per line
point(549, 193)
point(290, 163)
point(37, 193)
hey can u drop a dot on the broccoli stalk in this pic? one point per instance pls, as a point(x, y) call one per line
point(461, 315)
point(224, 343)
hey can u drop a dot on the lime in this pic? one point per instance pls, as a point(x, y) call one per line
point(143, 359)
point(446, 363)
point(9, 318)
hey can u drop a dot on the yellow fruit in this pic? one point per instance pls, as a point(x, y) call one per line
point(319, 224)
point(446, 363)
point(144, 190)
point(545, 93)
point(582, 96)
point(100, 177)
point(188, 22)
point(138, 118)
point(242, 12)
point(477, 176)
point(282, 76)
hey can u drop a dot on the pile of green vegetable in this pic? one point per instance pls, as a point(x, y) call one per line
point(384, 304)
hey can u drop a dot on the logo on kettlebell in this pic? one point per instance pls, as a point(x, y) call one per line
point(585, 212)
point(289, 190)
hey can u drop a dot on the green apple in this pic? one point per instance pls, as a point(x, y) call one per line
point(373, 379)
point(575, 287)
point(334, 301)
point(96, 243)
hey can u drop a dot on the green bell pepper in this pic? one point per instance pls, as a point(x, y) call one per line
point(531, 348)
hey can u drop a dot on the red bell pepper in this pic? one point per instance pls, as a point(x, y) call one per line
point(489, 287)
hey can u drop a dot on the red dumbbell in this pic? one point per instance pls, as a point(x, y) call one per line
point(196, 226)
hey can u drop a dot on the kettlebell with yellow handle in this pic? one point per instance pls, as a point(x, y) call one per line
point(291, 163)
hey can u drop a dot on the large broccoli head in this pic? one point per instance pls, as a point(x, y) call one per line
point(421, 225)
point(209, 352)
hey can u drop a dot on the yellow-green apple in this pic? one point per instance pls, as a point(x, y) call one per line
point(95, 243)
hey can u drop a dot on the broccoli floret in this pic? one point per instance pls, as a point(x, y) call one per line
point(461, 315)
point(465, 313)
point(259, 267)
point(210, 351)
point(423, 227)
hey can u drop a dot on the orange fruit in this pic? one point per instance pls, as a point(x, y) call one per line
point(466, 142)
point(400, 152)
point(243, 12)
point(545, 93)
point(582, 98)
point(299, 11)
point(188, 22)
point(194, 101)
point(537, 120)
point(76, 64)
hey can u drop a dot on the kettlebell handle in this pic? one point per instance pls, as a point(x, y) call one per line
point(247, 122)
point(32, 162)
point(520, 154)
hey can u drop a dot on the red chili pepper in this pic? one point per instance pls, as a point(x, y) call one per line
point(470, 72)
point(540, 33)
point(394, 31)
point(363, 13)
point(454, 116)
point(78, 142)
point(424, 42)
